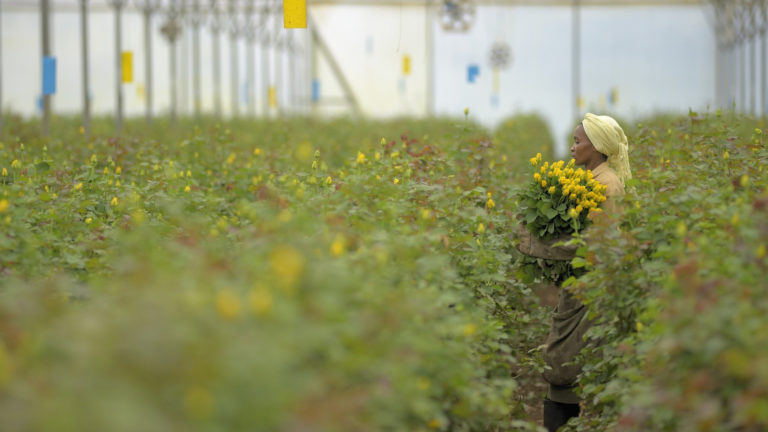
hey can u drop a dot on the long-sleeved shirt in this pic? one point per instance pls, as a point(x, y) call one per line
point(566, 337)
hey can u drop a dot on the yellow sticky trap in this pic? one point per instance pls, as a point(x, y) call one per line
point(272, 96)
point(127, 63)
point(295, 13)
point(495, 80)
point(406, 65)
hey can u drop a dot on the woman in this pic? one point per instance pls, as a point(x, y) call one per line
point(600, 145)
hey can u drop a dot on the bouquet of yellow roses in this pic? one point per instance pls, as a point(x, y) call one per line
point(553, 205)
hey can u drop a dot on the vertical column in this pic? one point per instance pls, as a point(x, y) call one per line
point(46, 48)
point(86, 77)
point(429, 46)
point(266, 39)
point(233, 58)
point(196, 93)
point(215, 28)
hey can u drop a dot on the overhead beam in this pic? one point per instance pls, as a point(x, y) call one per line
point(101, 6)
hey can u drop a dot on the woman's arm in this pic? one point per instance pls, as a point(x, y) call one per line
point(531, 245)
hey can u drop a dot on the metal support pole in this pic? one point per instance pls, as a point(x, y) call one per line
point(249, 29)
point(233, 59)
point(215, 28)
point(196, 58)
point(147, 12)
point(86, 77)
point(278, 52)
point(46, 48)
point(292, 82)
point(118, 5)
point(266, 40)
point(576, 56)
point(174, 99)
point(752, 87)
point(184, 96)
point(429, 42)
point(762, 74)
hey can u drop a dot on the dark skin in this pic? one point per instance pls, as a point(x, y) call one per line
point(583, 151)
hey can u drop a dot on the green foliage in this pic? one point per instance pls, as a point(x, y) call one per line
point(263, 276)
point(678, 293)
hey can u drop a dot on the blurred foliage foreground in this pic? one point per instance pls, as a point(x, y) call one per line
point(260, 276)
point(314, 276)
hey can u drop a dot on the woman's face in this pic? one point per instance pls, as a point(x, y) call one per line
point(582, 149)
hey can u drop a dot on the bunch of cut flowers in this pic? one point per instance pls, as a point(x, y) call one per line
point(555, 204)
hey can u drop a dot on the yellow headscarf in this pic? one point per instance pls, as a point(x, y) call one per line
point(609, 139)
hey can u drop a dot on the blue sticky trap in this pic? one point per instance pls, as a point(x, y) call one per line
point(49, 75)
point(315, 90)
point(472, 71)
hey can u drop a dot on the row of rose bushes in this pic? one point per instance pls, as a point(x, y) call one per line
point(291, 275)
point(678, 293)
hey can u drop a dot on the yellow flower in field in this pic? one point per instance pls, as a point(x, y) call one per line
point(88, 221)
point(395, 154)
point(490, 204)
point(726, 155)
point(15, 163)
point(113, 202)
point(117, 183)
point(5, 172)
point(681, 229)
point(744, 181)
point(466, 111)
point(260, 299)
point(228, 304)
point(231, 158)
point(537, 177)
point(573, 213)
point(469, 329)
point(572, 197)
point(542, 170)
point(538, 157)
point(377, 156)
point(579, 208)
point(118, 170)
point(338, 245)
point(551, 190)
point(198, 402)
point(480, 228)
point(329, 181)
point(78, 186)
point(189, 173)
point(287, 265)
point(543, 183)
point(435, 424)
point(187, 189)
point(383, 141)
point(4, 205)
point(396, 181)
point(360, 158)
point(256, 151)
point(426, 214)
point(758, 131)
